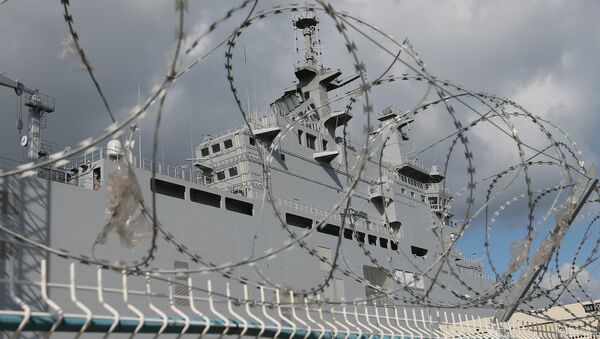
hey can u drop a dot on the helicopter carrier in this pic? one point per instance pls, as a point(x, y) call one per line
point(220, 210)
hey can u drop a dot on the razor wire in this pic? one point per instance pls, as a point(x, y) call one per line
point(500, 113)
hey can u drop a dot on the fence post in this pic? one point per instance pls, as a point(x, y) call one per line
point(110, 309)
point(140, 314)
point(156, 310)
point(233, 313)
point(85, 309)
point(195, 310)
point(211, 306)
point(44, 290)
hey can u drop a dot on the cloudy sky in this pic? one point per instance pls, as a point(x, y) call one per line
point(542, 54)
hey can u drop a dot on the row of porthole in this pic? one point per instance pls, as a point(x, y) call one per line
point(333, 230)
point(298, 221)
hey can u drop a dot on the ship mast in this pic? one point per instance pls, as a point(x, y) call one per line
point(314, 79)
point(307, 23)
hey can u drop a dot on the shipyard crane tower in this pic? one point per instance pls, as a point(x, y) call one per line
point(38, 104)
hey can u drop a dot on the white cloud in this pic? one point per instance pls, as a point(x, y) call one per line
point(546, 96)
point(580, 283)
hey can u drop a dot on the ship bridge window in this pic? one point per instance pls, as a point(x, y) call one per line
point(311, 141)
point(348, 233)
point(300, 137)
point(383, 242)
point(216, 148)
point(167, 188)
point(252, 141)
point(372, 240)
point(233, 172)
point(298, 221)
point(220, 175)
point(205, 198)
point(394, 245)
point(360, 237)
point(330, 229)
point(239, 206)
point(204, 152)
point(418, 252)
point(324, 145)
point(228, 143)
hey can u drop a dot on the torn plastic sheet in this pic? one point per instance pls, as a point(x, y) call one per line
point(519, 252)
point(125, 215)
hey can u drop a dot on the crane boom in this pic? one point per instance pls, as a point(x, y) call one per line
point(38, 104)
point(36, 100)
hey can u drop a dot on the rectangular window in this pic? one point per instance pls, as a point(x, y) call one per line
point(167, 188)
point(372, 240)
point(360, 237)
point(330, 229)
point(205, 198)
point(239, 206)
point(233, 172)
point(220, 175)
point(300, 137)
point(311, 141)
point(298, 221)
point(419, 252)
point(422, 198)
point(204, 151)
point(412, 194)
point(383, 242)
point(324, 145)
point(252, 141)
point(394, 245)
point(228, 143)
point(403, 190)
point(216, 148)
point(348, 233)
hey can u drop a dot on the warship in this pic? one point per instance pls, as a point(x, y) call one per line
point(219, 213)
